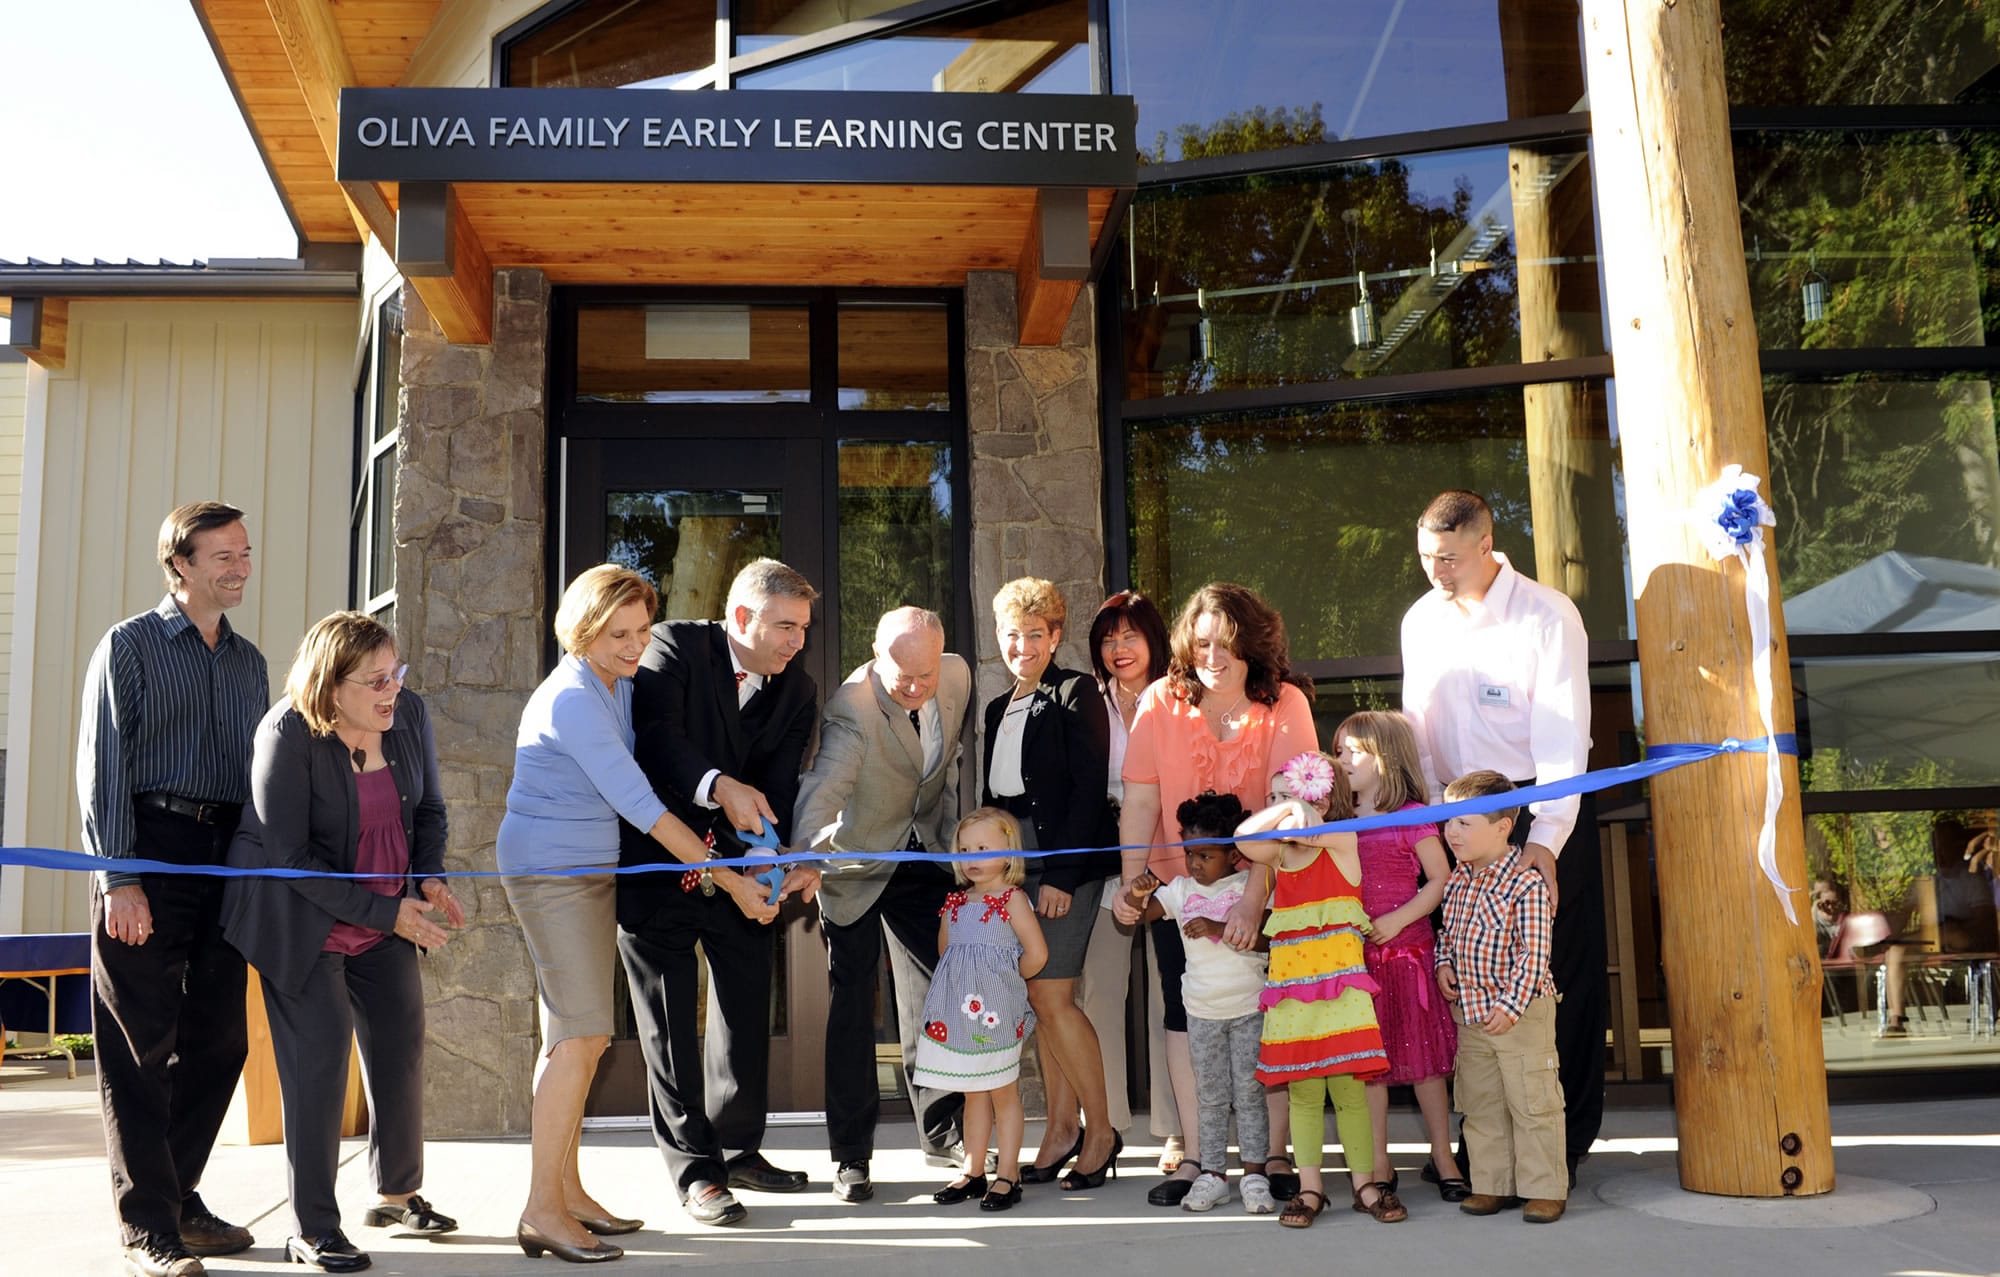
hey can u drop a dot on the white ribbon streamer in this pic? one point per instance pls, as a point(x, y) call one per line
point(1732, 519)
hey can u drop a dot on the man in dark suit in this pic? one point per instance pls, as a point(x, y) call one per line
point(885, 777)
point(722, 721)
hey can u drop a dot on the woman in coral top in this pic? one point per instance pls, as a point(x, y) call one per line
point(1226, 715)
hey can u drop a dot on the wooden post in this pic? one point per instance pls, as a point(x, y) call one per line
point(1743, 984)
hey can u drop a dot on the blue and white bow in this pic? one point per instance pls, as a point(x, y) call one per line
point(1731, 517)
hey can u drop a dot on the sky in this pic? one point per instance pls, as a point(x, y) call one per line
point(119, 138)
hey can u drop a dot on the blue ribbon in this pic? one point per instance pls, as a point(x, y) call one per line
point(770, 870)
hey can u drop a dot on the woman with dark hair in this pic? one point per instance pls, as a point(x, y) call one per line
point(344, 779)
point(1046, 751)
point(1229, 710)
point(1128, 650)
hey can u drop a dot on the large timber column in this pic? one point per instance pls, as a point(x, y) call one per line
point(1743, 983)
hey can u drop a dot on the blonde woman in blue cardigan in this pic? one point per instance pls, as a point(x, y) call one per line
point(574, 780)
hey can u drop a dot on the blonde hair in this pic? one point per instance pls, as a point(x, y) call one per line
point(1389, 737)
point(594, 598)
point(1031, 597)
point(1010, 834)
point(335, 647)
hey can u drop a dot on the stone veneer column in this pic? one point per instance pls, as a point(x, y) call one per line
point(1037, 465)
point(470, 532)
point(1037, 487)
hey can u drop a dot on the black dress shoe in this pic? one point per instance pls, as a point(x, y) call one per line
point(608, 1225)
point(1032, 1174)
point(156, 1256)
point(415, 1216)
point(751, 1170)
point(953, 1194)
point(851, 1182)
point(1169, 1191)
point(997, 1200)
point(204, 1233)
point(712, 1204)
point(331, 1252)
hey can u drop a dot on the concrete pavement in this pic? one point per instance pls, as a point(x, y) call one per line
point(1627, 1216)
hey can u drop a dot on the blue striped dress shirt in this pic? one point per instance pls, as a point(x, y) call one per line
point(164, 713)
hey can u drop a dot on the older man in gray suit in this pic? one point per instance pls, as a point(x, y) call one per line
point(885, 778)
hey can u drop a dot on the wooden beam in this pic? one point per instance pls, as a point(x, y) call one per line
point(39, 329)
point(320, 63)
point(439, 252)
point(1749, 1059)
point(1055, 261)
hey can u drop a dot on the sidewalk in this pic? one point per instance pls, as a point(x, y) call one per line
point(55, 1213)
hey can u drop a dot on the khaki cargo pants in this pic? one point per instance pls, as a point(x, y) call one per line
point(1509, 1091)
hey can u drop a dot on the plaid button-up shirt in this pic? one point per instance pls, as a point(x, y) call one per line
point(1496, 937)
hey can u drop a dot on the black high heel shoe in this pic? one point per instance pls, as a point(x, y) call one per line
point(1032, 1174)
point(953, 1194)
point(997, 1200)
point(1080, 1179)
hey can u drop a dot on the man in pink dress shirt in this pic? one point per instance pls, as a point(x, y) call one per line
point(1496, 676)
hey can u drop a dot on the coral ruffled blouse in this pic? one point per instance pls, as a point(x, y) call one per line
point(1172, 747)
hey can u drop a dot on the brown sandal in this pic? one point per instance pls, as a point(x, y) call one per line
point(1387, 1208)
point(1297, 1213)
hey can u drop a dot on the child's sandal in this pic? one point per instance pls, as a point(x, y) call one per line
point(1298, 1213)
point(1387, 1208)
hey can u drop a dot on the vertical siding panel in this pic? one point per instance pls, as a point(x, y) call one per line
point(163, 403)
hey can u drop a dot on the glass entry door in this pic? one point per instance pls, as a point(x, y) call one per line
point(697, 431)
point(688, 514)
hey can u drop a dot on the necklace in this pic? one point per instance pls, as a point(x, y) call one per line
point(1222, 719)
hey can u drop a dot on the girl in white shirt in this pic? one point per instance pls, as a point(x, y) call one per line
point(1220, 990)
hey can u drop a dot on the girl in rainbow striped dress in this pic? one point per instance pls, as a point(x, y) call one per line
point(1320, 1036)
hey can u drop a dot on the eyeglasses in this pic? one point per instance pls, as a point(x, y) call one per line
point(384, 683)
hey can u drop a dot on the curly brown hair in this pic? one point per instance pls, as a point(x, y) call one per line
point(1254, 633)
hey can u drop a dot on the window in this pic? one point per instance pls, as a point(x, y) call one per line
point(611, 44)
point(378, 415)
point(1458, 259)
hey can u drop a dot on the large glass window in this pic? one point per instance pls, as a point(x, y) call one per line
point(1890, 493)
point(1872, 240)
point(895, 357)
point(759, 24)
point(1316, 507)
point(1229, 77)
point(610, 44)
point(895, 536)
point(1860, 52)
point(1017, 46)
point(1461, 259)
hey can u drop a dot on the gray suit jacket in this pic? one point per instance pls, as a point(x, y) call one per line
point(866, 785)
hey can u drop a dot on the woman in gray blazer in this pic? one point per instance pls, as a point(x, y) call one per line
point(344, 779)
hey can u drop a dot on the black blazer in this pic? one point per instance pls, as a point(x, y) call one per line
point(686, 722)
point(305, 813)
point(1065, 755)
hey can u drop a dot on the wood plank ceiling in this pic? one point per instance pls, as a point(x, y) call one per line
point(607, 234)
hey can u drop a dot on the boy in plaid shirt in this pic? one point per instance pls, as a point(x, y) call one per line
point(1493, 963)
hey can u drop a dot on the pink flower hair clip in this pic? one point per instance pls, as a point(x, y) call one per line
point(1311, 777)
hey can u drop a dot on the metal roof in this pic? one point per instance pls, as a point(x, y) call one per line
point(325, 274)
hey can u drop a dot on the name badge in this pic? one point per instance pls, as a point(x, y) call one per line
point(1494, 697)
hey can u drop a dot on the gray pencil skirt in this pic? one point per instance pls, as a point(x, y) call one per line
point(571, 926)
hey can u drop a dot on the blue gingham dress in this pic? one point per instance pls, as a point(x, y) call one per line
point(976, 1016)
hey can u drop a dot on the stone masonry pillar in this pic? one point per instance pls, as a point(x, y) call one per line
point(470, 532)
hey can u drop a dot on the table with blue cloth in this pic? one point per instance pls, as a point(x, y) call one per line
point(30, 968)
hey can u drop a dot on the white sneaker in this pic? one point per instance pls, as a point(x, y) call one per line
point(1209, 1191)
point(1257, 1199)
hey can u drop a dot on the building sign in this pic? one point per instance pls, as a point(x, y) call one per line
point(639, 135)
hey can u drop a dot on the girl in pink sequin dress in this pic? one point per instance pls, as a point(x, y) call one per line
point(1403, 871)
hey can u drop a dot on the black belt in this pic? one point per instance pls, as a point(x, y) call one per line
point(200, 813)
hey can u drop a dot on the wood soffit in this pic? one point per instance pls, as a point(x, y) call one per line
point(272, 51)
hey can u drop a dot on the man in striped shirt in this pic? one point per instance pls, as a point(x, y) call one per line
point(1493, 965)
point(171, 701)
